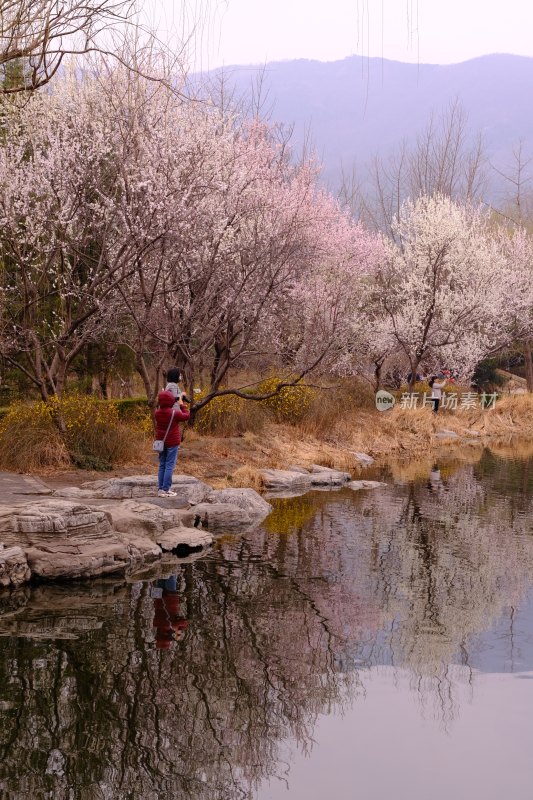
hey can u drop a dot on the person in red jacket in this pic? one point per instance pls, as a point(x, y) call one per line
point(164, 415)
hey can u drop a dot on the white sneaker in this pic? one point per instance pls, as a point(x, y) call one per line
point(170, 493)
point(161, 493)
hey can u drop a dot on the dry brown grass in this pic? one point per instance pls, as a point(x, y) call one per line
point(512, 414)
point(331, 408)
point(32, 448)
point(246, 477)
point(93, 437)
point(400, 433)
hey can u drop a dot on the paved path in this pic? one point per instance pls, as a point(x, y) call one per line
point(14, 488)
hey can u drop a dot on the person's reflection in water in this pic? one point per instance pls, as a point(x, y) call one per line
point(435, 481)
point(169, 624)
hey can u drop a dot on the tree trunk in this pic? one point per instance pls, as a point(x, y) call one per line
point(529, 364)
point(377, 375)
point(103, 381)
point(412, 379)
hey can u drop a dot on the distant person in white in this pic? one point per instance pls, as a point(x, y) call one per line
point(436, 384)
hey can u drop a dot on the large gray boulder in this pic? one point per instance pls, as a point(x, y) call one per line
point(117, 526)
point(285, 479)
point(141, 518)
point(219, 518)
point(247, 499)
point(61, 539)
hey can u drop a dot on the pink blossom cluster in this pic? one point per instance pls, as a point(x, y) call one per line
point(190, 235)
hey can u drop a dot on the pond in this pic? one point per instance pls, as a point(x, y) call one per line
point(358, 645)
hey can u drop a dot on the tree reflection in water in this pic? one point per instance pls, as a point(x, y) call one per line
point(190, 688)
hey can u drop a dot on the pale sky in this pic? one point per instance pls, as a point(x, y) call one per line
point(429, 31)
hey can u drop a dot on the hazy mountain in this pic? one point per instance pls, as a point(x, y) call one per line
point(357, 107)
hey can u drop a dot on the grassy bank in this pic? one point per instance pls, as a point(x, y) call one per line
point(407, 440)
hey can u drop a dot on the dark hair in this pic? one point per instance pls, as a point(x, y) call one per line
point(431, 381)
point(173, 375)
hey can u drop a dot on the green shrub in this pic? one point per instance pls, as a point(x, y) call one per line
point(486, 374)
point(135, 413)
point(84, 461)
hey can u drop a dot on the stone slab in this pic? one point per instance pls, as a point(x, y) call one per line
point(284, 479)
point(247, 499)
point(364, 458)
point(329, 477)
point(445, 434)
point(219, 518)
point(358, 485)
point(62, 539)
point(188, 538)
point(189, 490)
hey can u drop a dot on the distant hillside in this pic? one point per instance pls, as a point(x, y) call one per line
point(357, 107)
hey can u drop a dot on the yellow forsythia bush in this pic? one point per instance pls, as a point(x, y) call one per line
point(291, 404)
point(30, 440)
point(135, 414)
point(76, 429)
point(228, 415)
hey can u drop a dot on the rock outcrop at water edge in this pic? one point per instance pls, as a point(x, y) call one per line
point(84, 533)
point(64, 539)
point(300, 478)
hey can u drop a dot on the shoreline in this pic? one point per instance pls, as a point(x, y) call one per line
point(399, 436)
point(67, 525)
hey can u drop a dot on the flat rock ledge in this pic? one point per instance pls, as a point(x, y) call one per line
point(184, 540)
point(301, 478)
point(357, 485)
point(124, 529)
point(188, 490)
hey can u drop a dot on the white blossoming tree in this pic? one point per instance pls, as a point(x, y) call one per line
point(439, 284)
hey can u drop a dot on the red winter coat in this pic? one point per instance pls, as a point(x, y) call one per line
point(162, 418)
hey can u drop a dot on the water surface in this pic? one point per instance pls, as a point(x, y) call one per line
point(358, 645)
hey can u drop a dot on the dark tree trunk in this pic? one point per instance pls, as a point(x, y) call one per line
point(529, 364)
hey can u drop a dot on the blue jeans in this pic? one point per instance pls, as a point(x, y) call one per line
point(167, 462)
